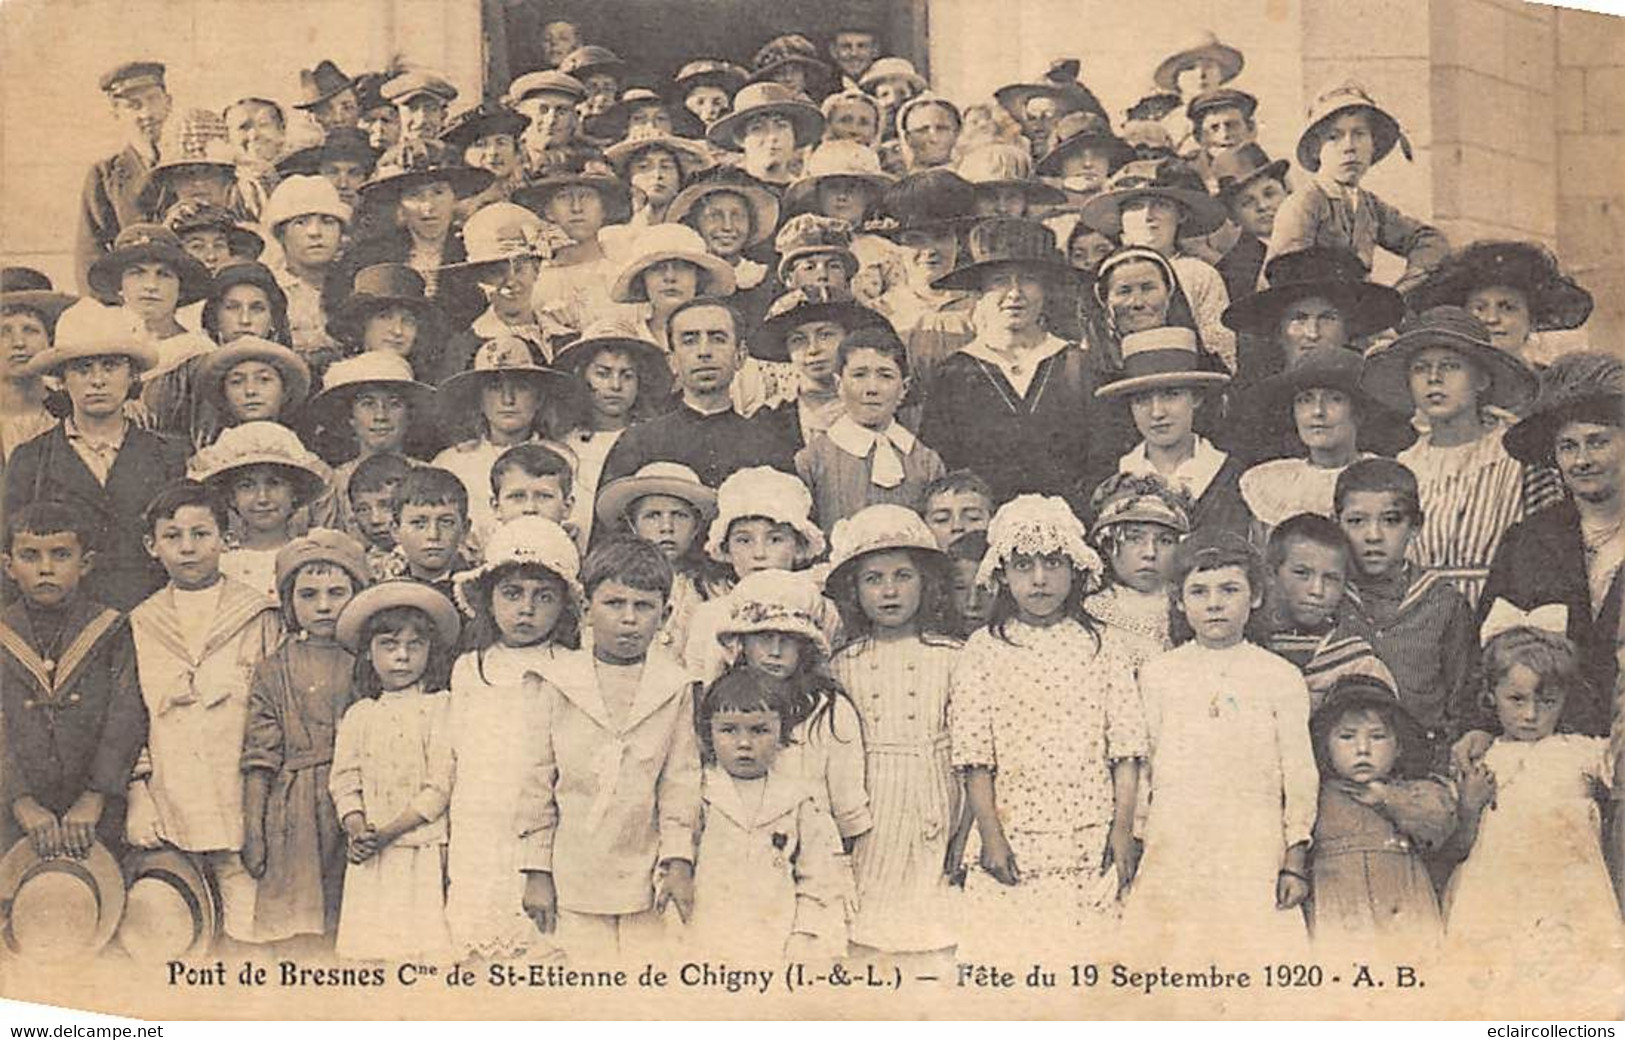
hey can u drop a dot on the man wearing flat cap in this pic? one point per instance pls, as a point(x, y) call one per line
point(421, 99)
point(111, 195)
point(551, 142)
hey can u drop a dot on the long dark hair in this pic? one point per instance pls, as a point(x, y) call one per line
point(388, 622)
point(938, 614)
point(812, 691)
point(483, 633)
point(1005, 610)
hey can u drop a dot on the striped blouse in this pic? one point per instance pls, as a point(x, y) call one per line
point(1471, 494)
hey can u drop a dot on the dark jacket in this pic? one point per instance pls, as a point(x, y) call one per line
point(110, 200)
point(713, 446)
point(48, 468)
point(1542, 560)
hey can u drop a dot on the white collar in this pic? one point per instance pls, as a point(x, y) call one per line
point(859, 441)
point(1192, 476)
point(1032, 356)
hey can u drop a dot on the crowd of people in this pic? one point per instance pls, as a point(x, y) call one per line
point(785, 512)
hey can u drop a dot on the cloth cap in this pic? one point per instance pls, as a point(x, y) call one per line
point(132, 75)
point(410, 84)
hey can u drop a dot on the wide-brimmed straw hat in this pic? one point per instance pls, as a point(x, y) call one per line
point(1162, 358)
point(370, 369)
point(617, 333)
point(532, 540)
point(142, 244)
point(507, 357)
point(779, 601)
point(1584, 386)
point(59, 908)
point(883, 69)
point(836, 160)
point(763, 203)
point(1349, 97)
point(1330, 272)
point(324, 545)
point(1204, 47)
point(260, 443)
point(379, 287)
point(757, 99)
point(672, 479)
point(1387, 369)
point(1076, 131)
point(612, 124)
point(997, 165)
point(879, 528)
point(596, 175)
point(1168, 179)
point(218, 363)
point(662, 242)
point(398, 592)
point(1000, 242)
point(807, 304)
point(319, 84)
point(768, 493)
point(1555, 300)
point(26, 287)
point(171, 909)
point(691, 155)
point(90, 329)
point(501, 232)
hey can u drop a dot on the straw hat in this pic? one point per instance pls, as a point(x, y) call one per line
point(883, 69)
point(763, 204)
point(397, 592)
point(532, 540)
point(171, 909)
point(319, 84)
point(1205, 46)
point(1387, 369)
point(218, 363)
point(762, 491)
point(89, 329)
point(673, 479)
point(1329, 272)
point(779, 601)
point(690, 155)
point(58, 908)
point(1349, 97)
point(260, 443)
point(662, 242)
point(506, 357)
point(758, 99)
point(372, 368)
point(1162, 178)
point(26, 287)
point(303, 194)
point(835, 160)
point(1555, 300)
point(500, 232)
point(807, 304)
point(1584, 386)
point(878, 528)
point(1161, 358)
point(1135, 498)
point(613, 333)
point(1038, 525)
point(147, 243)
point(324, 545)
point(999, 242)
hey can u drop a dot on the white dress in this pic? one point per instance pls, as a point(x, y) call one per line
point(1283, 488)
point(1233, 785)
point(1535, 890)
point(392, 754)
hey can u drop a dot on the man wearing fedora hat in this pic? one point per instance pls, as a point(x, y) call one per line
point(1252, 189)
point(110, 198)
point(329, 96)
point(601, 71)
point(94, 458)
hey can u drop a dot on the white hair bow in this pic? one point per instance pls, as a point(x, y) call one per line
point(1503, 616)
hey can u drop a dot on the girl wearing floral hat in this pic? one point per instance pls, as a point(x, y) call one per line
point(1048, 732)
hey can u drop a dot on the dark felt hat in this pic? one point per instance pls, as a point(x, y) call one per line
point(591, 60)
point(183, 218)
point(1078, 130)
point(381, 286)
point(471, 124)
point(800, 306)
point(146, 243)
point(597, 175)
point(250, 272)
point(341, 142)
point(931, 200)
point(26, 287)
point(1555, 300)
point(1369, 693)
point(1168, 179)
point(1221, 97)
point(612, 124)
point(1327, 271)
point(1585, 386)
point(388, 183)
point(1387, 370)
point(1005, 241)
point(1235, 168)
point(1327, 368)
point(790, 49)
point(320, 84)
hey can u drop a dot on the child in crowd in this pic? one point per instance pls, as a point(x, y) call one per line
point(956, 504)
point(780, 623)
point(1139, 521)
point(1415, 619)
point(763, 522)
point(265, 475)
point(1224, 716)
point(1309, 564)
point(533, 480)
point(392, 773)
point(973, 602)
point(609, 807)
point(1379, 812)
point(1443, 367)
point(431, 521)
point(1252, 189)
point(866, 456)
point(525, 602)
point(1048, 733)
point(769, 876)
point(373, 497)
point(890, 581)
point(197, 641)
point(665, 503)
point(1346, 136)
point(293, 843)
point(1532, 901)
point(74, 720)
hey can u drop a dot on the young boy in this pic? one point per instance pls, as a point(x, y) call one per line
point(955, 505)
point(196, 642)
point(431, 522)
point(73, 715)
point(1420, 625)
point(1347, 135)
point(1252, 189)
point(534, 480)
point(374, 496)
point(1308, 562)
point(609, 809)
point(973, 600)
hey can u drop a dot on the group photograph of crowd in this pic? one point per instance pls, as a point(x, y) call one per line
point(758, 508)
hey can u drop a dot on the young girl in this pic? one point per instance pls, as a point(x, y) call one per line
point(525, 602)
point(1048, 732)
point(1443, 367)
point(266, 475)
point(1139, 521)
point(891, 583)
point(763, 522)
point(1379, 815)
point(292, 840)
point(1533, 900)
point(769, 876)
point(392, 771)
point(1232, 772)
point(780, 624)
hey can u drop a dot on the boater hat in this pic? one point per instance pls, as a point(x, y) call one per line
point(397, 592)
point(1205, 47)
point(171, 910)
point(1555, 300)
point(58, 908)
point(1168, 179)
point(1585, 386)
point(1330, 272)
point(218, 363)
point(1387, 369)
point(759, 99)
point(1008, 241)
point(672, 479)
point(1349, 97)
point(147, 243)
point(1161, 358)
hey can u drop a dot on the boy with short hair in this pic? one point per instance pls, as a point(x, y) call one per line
point(604, 853)
point(956, 504)
point(74, 721)
point(431, 522)
point(1252, 189)
point(534, 479)
point(1307, 567)
point(1420, 624)
point(374, 496)
point(197, 640)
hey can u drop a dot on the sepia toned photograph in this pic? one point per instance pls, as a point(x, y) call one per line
point(774, 509)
